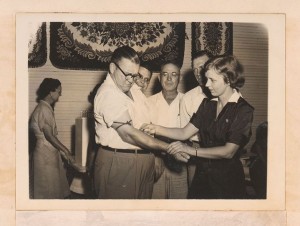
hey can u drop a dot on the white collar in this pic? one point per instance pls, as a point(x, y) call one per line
point(234, 97)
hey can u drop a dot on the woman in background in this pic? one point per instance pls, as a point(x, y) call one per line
point(223, 125)
point(49, 174)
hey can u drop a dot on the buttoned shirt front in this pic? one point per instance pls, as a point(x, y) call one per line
point(162, 113)
point(109, 104)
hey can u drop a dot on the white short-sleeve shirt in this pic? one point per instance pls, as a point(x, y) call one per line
point(109, 104)
point(162, 113)
point(140, 111)
point(189, 105)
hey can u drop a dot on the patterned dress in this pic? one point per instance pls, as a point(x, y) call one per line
point(49, 174)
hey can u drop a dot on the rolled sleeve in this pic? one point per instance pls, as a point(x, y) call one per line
point(109, 108)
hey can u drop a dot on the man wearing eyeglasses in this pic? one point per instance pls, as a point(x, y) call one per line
point(124, 165)
point(171, 175)
point(191, 102)
point(145, 76)
point(140, 111)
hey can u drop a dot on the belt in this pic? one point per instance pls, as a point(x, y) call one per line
point(130, 151)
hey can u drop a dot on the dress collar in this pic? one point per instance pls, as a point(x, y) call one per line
point(47, 104)
point(234, 97)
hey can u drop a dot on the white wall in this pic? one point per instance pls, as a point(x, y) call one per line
point(250, 46)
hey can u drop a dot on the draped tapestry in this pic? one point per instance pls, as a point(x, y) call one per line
point(89, 46)
point(215, 38)
point(37, 45)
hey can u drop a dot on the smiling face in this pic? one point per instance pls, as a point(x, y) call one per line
point(169, 77)
point(143, 82)
point(215, 83)
point(123, 82)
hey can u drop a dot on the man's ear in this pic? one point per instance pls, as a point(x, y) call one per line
point(112, 68)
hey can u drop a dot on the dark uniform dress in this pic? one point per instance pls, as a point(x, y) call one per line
point(221, 178)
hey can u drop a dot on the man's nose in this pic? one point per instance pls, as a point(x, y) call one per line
point(169, 77)
point(207, 83)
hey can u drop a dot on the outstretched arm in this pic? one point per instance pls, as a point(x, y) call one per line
point(227, 151)
point(173, 133)
point(135, 137)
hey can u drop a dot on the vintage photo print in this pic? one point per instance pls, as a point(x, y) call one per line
point(150, 111)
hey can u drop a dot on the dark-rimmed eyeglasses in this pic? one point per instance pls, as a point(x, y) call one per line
point(129, 77)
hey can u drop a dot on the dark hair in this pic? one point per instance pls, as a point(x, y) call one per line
point(48, 85)
point(125, 52)
point(170, 62)
point(200, 54)
point(229, 67)
point(147, 66)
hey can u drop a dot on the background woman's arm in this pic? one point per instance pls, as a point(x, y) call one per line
point(53, 140)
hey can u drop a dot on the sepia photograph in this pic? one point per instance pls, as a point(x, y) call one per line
point(147, 111)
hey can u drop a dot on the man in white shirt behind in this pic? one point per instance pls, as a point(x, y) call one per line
point(171, 175)
point(190, 103)
point(140, 112)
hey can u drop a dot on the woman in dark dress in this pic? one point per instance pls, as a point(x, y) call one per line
point(224, 128)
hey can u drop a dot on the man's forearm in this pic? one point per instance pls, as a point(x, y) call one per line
point(138, 138)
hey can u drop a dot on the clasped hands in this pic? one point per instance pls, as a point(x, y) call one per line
point(177, 149)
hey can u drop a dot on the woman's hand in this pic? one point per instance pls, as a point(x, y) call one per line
point(178, 151)
point(177, 147)
point(150, 129)
point(65, 155)
point(181, 156)
point(72, 162)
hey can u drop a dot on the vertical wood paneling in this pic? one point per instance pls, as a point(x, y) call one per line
point(250, 45)
point(76, 87)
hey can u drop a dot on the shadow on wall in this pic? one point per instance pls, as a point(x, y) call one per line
point(188, 80)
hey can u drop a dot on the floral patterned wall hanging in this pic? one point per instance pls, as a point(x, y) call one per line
point(89, 46)
point(37, 45)
point(215, 38)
